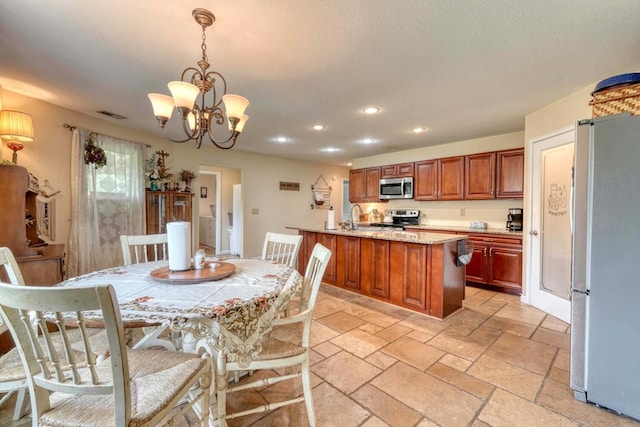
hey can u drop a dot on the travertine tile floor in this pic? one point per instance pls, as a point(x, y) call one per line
point(498, 362)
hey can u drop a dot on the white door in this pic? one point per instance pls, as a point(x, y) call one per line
point(550, 233)
point(237, 234)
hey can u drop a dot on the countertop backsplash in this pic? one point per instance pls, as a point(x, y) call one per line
point(459, 213)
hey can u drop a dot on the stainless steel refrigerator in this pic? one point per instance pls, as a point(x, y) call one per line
point(605, 318)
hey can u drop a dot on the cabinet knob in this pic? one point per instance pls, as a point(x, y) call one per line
point(534, 232)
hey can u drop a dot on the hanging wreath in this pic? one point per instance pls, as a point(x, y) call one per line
point(94, 154)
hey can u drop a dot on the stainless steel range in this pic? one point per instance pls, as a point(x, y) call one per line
point(400, 218)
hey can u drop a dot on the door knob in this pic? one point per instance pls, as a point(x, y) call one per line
point(534, 232)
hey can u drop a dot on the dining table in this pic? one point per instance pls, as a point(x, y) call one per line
point(192, 302)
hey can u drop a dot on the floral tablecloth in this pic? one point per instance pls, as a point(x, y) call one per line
point(250, 289)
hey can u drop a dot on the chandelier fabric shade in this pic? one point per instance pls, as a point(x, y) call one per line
point(189, 97)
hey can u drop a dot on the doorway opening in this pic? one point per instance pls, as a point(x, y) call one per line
point(215, 209)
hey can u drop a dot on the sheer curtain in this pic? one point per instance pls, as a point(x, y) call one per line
point(105, 202)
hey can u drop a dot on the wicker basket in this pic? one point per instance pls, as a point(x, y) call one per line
point(616, 99)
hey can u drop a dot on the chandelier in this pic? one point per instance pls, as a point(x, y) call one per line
point(198, 118)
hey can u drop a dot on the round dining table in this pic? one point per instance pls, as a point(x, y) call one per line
point(147, 296)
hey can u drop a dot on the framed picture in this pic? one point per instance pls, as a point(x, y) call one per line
point(203, 192)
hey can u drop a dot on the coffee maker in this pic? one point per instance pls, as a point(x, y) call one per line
point(514, 219)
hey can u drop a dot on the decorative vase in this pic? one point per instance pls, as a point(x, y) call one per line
point(153, 185)
point(187, 186)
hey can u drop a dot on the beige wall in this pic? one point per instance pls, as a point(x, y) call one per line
point(493, 212)
point(48, 157)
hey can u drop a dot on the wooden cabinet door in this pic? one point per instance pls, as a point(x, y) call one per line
point(505, 266)
point(451, 178)
point(400, 170)
point(156, 209)
point(372, 185)
point(477, 269)
point(348, 262)
point(426, 180)
point(330, 242)
point(407, 274)
point(388, 171)
point(479, 176)
point(308, 242)
point(364, 185)
point(179, 208)
point(404, 170)
point(510, 174)
point(356, 185)
point(374, 268)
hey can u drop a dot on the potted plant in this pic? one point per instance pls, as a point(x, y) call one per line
point(187, 176)
point(157, 171)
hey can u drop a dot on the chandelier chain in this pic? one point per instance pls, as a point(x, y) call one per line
point(204, 44)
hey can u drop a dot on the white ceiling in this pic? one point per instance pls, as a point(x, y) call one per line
point(464, 69)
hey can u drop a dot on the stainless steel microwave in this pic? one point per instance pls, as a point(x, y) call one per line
point(396, 188)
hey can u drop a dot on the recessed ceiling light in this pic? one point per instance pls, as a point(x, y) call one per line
point(371, 110)
point(318, 127)
point(330, 149)
point(349, 164)
point(418, 130)
point(368, 141)
point(281, 139)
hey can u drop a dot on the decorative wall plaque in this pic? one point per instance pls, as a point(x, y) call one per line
point(289, 186)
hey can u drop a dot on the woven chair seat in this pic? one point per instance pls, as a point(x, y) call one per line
point(273, 348)
point(156, 377)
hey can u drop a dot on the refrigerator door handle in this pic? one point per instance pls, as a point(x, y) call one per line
point(571, 202)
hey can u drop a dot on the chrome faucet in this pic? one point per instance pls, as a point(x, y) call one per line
point(354, 225)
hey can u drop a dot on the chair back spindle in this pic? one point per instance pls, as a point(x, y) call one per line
point(282, 248)
point(143, 248)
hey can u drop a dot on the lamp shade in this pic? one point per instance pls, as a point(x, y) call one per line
point(240, 124)
point(235, 105)
point(184, 94)
point(16, 126)
point(162, 105)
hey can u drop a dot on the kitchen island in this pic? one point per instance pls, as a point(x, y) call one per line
point(417, 271)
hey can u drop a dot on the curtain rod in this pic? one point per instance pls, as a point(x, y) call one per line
point(72, 128)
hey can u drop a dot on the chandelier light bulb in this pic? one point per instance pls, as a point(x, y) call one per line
point(235, 105)
point(241, 123)
point(162, 105)
point(184, 94)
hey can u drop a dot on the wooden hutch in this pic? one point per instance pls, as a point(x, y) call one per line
point(41, 264)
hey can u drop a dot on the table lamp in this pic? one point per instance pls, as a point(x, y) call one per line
point(15, 128)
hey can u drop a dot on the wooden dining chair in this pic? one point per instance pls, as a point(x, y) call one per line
point(256, 345)
point(12, 376)
point(282, 248)
point(131, 387)
point(146, 248)
point(12, 373)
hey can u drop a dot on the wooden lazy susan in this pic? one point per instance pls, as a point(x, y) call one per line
point(212, 271)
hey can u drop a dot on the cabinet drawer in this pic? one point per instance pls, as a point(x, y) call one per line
point(495, 238)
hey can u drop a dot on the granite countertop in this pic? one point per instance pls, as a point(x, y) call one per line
point(424, 238)
point(463, 229)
